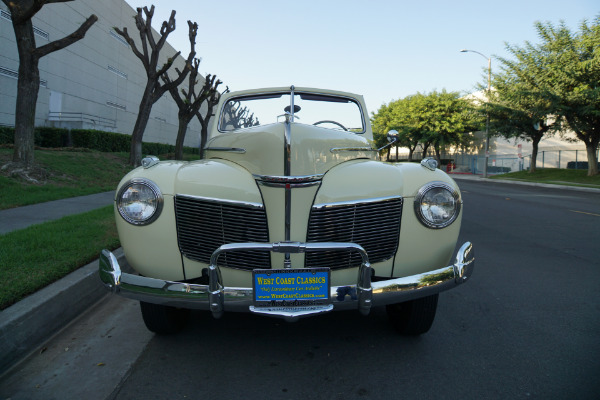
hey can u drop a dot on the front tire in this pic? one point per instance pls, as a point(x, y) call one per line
point(163, 319)
point(413, 317)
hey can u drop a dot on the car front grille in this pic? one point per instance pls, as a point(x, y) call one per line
point(373, 224)
point(203, 225)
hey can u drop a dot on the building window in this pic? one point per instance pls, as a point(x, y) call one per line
point(11, 73)
point(118, 37)
point(116, 71)
point(116, 105)
point(41, 33)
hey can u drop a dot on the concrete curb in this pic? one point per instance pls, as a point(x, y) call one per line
point(29, 323)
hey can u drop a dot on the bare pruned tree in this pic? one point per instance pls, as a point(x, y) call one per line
point(29, 75)
point(190, 103)
point(211, 101)
point(239, 117)
point(149, 55)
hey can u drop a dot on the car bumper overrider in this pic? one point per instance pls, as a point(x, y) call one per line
point(218, 298)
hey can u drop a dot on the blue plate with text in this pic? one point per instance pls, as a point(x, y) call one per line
point(291, 287)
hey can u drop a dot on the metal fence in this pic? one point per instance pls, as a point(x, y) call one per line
point(499, 164)
point(503, 163)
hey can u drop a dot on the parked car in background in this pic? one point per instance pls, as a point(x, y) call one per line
point(290, 214)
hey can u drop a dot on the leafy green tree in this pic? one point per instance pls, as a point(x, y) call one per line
point(564, 71)
point(380, 122)
point(405, 116)
point(447, 120)
point(518, 111)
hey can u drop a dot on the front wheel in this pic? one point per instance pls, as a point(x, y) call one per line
point(163, 319)
point(413, 317)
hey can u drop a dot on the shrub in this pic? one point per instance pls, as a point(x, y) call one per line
point(89, 139)
point(51, 137)
point(7, 135)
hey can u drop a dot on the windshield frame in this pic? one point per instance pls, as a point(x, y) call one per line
point(304, 94)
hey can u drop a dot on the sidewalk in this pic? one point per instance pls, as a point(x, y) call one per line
point(26, 325)
point(22, 217)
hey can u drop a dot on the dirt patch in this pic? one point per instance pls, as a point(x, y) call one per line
point(35, 175)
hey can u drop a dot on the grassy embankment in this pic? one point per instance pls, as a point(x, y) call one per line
point(34, 257)
point(569, 177)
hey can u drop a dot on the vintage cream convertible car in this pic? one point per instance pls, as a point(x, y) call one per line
point(290, 214)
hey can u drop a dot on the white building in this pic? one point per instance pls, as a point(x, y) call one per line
point(96, 83)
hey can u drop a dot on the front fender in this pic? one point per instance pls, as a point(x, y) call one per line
point(367, 179)
point(153, 250)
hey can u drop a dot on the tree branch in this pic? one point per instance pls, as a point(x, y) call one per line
point(21, 12)
point(67, 40)
point(131, 42)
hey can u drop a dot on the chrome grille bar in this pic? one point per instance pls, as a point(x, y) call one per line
point(374, 224)
point(203, 225)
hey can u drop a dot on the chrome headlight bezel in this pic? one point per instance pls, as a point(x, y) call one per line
point(158, 198)
point(421, 195)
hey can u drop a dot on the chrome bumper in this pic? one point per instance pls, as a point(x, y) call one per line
point(218, 298)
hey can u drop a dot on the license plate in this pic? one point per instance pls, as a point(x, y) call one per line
point(291, 287)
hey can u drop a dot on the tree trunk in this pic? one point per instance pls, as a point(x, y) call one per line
point(181, 131)
point(438, 157)
point(592, 157)
point(425, 148)
point(203, 138)
point(534, 152)
point(135, 155)
point(28, 87)
point(410, 154)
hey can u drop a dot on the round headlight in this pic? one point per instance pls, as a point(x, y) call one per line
point(437, 205)
point(139, 201)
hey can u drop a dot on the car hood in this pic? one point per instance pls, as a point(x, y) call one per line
point(313, 150)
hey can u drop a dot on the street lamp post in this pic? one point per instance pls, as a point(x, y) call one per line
point(487, 122)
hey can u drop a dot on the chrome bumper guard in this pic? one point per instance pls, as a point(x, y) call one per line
point(218, 298)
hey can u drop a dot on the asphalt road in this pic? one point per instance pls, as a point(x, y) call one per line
point(525, 326)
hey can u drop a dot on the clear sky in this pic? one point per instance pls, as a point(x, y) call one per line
point(384, 50)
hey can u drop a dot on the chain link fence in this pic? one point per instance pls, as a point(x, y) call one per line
point(503, 163)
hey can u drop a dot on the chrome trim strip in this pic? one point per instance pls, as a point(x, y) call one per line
point(336, 149)
point(287, 168)
point(288, 179)
point(186, 295)
point(227, 149)
point(221, 201)
point(291, 182)
point(292, 103)
point(288, 185)
point(352, 202)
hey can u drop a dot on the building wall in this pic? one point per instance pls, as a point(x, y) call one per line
point(96, 83)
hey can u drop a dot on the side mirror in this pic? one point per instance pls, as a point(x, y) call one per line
point(392, 136)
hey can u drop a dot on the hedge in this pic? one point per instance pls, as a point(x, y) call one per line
point(90, 139)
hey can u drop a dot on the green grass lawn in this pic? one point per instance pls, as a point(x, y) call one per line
point(572, 177)
point(70, 174)
point(34, 257)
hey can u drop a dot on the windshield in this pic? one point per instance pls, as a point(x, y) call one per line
point(327, 111)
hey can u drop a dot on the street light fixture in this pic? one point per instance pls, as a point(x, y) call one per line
point(487, 123)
